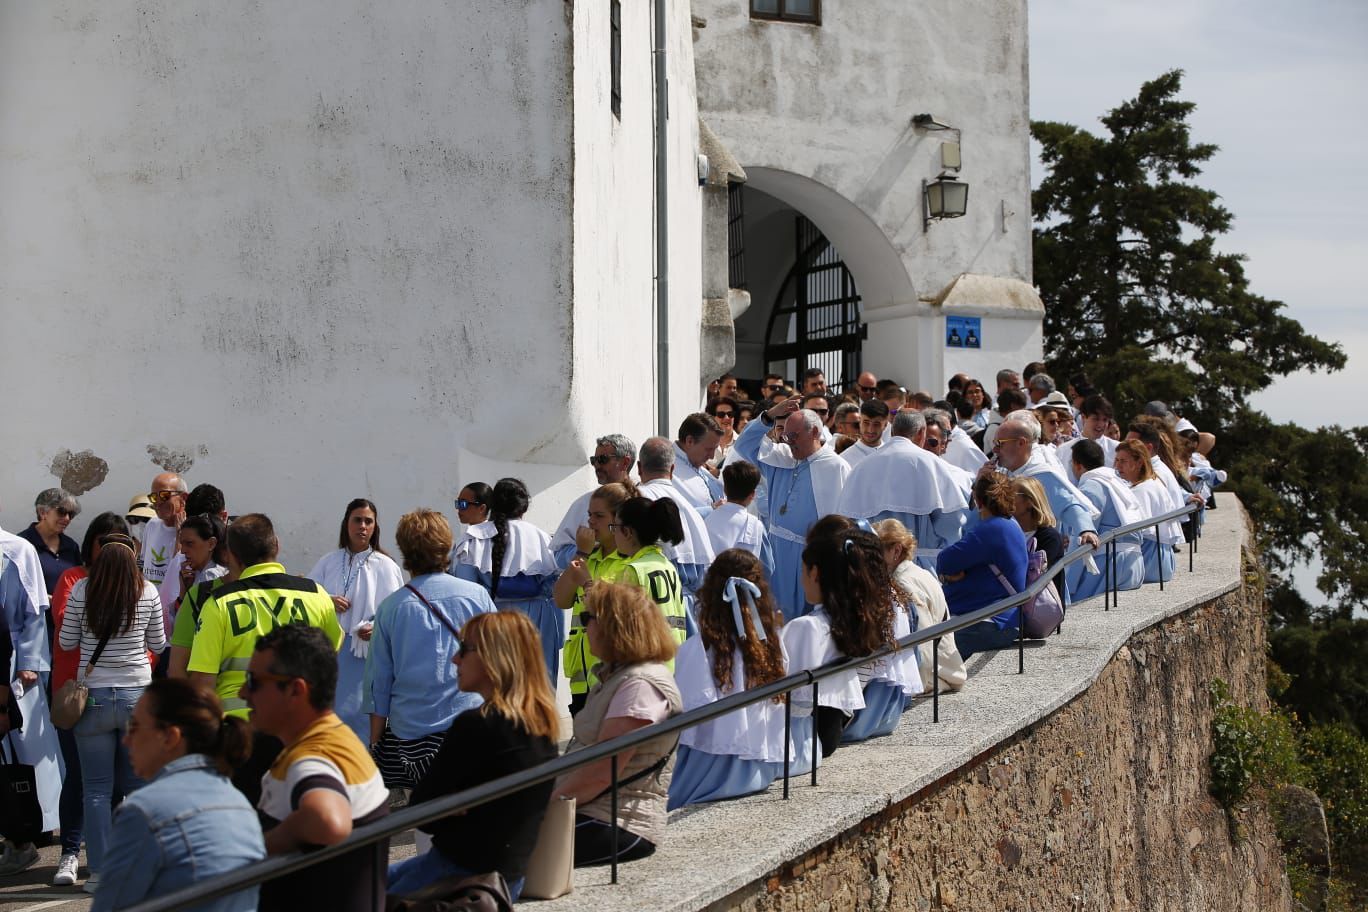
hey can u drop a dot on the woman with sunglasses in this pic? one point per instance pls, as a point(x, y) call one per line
point(359, 575)
point(514, 729)
point(472, 504)
point(57, 552)
point(116, 613)
point(188, 823)
point(725, 410)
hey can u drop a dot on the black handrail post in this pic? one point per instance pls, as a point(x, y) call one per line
point(1021, 639)
point(1192, 549)
point(935, 679)
point(788, 738)
point(1111, 568)
point(1161, 557)
point(1108, 597)
point(815, 749)
point(614, 812)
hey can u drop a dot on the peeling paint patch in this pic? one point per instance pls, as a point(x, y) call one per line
point(79, 472)
point(175, 459)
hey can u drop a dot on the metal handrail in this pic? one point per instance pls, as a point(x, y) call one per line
point(411, 817)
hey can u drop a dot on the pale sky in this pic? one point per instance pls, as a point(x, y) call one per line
point(1282, 88)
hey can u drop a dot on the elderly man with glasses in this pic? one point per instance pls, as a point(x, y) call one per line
point(803, 479)
point(168, 495)
point(612, 461)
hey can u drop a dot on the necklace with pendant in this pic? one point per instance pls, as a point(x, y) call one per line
point(796, 475)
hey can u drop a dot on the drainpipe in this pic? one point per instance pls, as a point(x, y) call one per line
point(662, 221)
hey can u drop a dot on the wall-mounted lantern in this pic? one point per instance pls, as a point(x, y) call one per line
point(943, 198)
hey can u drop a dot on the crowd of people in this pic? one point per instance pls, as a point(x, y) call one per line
point(234, 710)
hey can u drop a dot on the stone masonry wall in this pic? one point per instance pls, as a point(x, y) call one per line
point(1102, 805)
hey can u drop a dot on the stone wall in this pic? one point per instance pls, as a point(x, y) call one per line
point(1101, 805)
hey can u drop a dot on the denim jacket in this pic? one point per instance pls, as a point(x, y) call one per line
point(186, 825)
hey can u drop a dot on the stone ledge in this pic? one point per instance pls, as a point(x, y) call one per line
point(708, 855)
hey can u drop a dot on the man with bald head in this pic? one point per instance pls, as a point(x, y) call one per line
point(168, 495)
point(656, 467)
point(905, 480)
point(868, 385)
point(804, 480)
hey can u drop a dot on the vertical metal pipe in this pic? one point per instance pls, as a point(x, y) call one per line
point(1159, 550)
point(613, 812)
point(935, 680)
point(788, 738)
point(1021, 639)
point(815, 747)
point(662, 218)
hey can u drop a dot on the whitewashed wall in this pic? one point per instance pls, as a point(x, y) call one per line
point(820, 116)
point(323, 250)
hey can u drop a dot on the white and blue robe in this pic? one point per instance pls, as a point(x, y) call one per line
point(925, 493)
point(1158, 553)
point(24, 602)
point(1117, 506)
point(697, 485)
point(738, 754)
point(365, 579)
point(961, 451)
point(800, 493)
point(1074, 513)
point(528, 573)
point(889, 685)
point(1065, 453)
point(808, 644)
point(732, 526)
point(859, 452)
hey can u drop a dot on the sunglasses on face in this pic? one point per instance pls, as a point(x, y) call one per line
point(258, 679)
point(721, 415)
point(163, 496)
point(600, 460)
point(464, 649)
point(463, 504)
point(819, 411)
point(67, 514)
point(869, 389)
point(586, 617)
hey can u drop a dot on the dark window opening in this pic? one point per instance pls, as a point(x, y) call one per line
point(736, 237)
point(615, 54)
point(787, 10)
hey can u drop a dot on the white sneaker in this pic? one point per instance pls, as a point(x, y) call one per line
point(92, 883)
point(13, 862)
point(66, 871)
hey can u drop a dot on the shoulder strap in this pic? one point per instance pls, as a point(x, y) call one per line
point(437, 614)
point(95, 656)
point(1006, 584)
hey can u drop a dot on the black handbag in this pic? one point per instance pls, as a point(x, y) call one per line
point(21, 816)
point(475, 893)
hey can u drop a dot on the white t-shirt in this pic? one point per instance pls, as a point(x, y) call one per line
point(158, 547)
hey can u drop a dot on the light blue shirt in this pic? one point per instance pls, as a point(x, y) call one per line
point(413, 681)
point(188, 824)
point(24, 620)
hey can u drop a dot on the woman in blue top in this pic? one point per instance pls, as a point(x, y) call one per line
point(970, 567)
point(188, 823)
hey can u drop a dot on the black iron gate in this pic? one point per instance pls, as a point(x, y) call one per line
point(815, 321)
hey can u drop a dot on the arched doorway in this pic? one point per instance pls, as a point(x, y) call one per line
point(815, 320)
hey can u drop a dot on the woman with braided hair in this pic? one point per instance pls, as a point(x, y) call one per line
point(512, 559)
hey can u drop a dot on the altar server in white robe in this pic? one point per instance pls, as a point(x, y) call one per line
point(691, 557)
point(1095, 417)
point(614, 456)
point(804, 479)
point(1017, 452)
point(512, 559)
point(874, 420)
point(36, 743)
point(738, 647)
point(359, 575)
point(732, 525)
point(906, 482)
point(696, 443)
point(1133, 465)
point(1118, 506)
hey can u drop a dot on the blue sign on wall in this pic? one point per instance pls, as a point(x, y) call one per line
point(963, 332)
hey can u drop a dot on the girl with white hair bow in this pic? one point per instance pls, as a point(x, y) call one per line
point(738, 647)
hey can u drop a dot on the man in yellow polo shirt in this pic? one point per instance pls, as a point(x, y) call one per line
point(261, 597)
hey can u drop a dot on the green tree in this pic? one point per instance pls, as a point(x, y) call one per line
point(1139, 296)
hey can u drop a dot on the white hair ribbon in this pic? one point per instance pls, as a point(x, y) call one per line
point(750, 592)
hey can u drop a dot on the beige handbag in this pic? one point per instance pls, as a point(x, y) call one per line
point(551, 869)
point(69, 702)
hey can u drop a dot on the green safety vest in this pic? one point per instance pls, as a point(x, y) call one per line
point(650, 569)
point(576, 659)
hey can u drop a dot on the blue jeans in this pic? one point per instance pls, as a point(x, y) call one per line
point(104, 763)
point(413, 874)
point(70, 807)
point(983, 637)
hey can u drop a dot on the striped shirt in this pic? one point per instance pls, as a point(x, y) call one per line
point(124, 660)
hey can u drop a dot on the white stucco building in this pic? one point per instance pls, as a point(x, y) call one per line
point(320, 250)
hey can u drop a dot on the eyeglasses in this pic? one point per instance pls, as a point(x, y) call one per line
point(258, 679)
point(773, 387)
point(463, 504)
point(791, 438)
point(933, 441)
point(587, 617)
point(724, 415)
point(164, 496)
point(612, 527)
point(997, 443)
point(464, 649)
point(67, 514)
point(869, 389)
point(600, 460)
point(820, 411)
